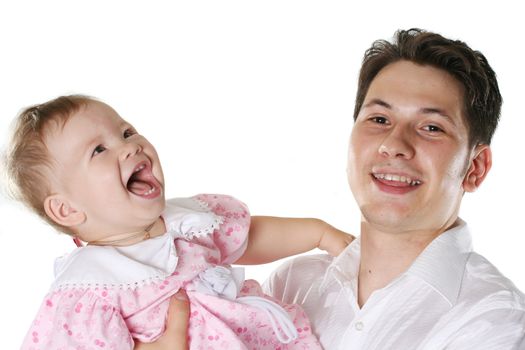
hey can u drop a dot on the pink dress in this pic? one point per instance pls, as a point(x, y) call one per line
point(105, 297)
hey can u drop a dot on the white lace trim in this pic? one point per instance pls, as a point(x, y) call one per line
point(141, 264)
point(117, 267)
point(217, 222)
point(100, 285)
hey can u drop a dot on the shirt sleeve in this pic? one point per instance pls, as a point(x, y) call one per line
point(495, 329)
point(276, 284)
point(292, 281)
point(71, 319)
point(231, 238)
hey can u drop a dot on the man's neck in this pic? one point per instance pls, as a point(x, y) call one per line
point(385, 256)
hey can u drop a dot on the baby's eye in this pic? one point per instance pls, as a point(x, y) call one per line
point(97, 150)
point(129, 132)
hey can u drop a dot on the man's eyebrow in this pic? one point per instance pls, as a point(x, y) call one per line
point(378, 102)
point(427, 110)
point(438, 112)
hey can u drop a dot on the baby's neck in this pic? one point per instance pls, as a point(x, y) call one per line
point(155, 229)
point(159, 227)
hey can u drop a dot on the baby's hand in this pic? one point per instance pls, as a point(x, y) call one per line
point(334, 241)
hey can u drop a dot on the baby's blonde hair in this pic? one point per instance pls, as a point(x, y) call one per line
point(27, 160)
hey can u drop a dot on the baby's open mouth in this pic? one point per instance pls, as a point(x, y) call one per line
point(142, 182)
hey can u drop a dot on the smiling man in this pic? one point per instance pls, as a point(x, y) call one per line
point(426, 110)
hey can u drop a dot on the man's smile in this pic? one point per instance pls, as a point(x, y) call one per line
point(395, 183)
point(394, 178)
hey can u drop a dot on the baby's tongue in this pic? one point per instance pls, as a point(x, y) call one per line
point(139, 187)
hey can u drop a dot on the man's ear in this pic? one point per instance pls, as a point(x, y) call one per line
point(61, 211)
point(478, 169)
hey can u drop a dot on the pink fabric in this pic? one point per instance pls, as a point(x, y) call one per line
point(105, 318)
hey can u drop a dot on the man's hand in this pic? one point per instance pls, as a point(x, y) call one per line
point(175, 336)
point(334, 241)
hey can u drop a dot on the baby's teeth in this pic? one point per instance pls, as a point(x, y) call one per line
point(150, 191)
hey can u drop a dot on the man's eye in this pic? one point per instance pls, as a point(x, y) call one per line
point(129, 132)
point(97, 150)
point(379, 120)
point(432, 128)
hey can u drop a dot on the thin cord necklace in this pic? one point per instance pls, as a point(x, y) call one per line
point(116, 242)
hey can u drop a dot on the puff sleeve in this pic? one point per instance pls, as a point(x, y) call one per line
point(231, 237)
point(71, 319)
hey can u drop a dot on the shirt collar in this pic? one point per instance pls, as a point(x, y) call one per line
point(441, 264)
point(443, 261)
point(345, 267)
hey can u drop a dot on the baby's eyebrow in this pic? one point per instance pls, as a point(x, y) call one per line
point(126, 125)
point(88, 144)
point(79, 147)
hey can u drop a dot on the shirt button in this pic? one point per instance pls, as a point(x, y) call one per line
point(359, 326)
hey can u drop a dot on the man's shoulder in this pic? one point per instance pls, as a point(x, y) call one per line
point(296, 274)
point(314, 264)
point(483, 284)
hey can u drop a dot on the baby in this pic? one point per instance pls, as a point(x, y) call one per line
point(89, 173)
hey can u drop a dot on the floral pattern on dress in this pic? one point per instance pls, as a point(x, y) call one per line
point(111, 318)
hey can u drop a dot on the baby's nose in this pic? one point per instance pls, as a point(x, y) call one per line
point(130, 149)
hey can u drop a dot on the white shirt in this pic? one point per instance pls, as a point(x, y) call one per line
point(450, 298)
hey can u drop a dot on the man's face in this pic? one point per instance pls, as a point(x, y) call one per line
point(409, 149)
point(107, 170)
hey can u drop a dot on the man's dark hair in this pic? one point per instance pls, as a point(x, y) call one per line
point(482, 99)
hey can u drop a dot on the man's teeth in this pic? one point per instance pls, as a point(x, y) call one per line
point(398, 178)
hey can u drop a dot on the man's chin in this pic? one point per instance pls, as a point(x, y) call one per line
point(387, 219)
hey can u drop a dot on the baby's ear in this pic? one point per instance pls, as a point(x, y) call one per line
point(61, 211)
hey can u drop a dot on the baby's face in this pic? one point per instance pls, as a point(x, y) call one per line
point(108, 171)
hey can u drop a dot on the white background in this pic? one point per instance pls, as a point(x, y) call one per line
point(253, 99)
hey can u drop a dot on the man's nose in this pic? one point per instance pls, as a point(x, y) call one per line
point(397, 144)
point(129, 149)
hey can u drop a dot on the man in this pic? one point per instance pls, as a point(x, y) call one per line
point(425, 113)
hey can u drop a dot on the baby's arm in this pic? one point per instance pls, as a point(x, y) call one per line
point(272, 238)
